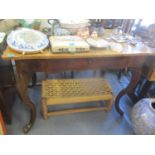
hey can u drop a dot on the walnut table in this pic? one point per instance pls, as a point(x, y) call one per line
point(27, 65)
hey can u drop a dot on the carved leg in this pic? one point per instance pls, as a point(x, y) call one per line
point(22, 84)
point(136, 74)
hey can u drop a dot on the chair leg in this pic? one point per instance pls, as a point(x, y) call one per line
point(46, 75)
point(72, 74)
point(44, 109)
point(94, 72)
point(119, 74)
point(64, 75)
point(34, 79)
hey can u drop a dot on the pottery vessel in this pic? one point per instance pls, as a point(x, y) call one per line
point(143, 117)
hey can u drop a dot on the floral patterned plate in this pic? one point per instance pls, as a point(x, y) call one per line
point(27, 40)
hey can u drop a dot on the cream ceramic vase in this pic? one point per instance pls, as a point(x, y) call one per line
point(143, 117)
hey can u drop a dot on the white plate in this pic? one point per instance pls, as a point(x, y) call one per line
point(27, 40)
point(116, 47)
point(99, 43)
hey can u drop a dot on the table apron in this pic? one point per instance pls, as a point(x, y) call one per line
point(60, 65)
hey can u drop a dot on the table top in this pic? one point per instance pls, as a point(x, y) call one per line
point(10, 54)
point(128, 50)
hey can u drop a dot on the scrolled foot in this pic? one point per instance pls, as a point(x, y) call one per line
point(27, 128)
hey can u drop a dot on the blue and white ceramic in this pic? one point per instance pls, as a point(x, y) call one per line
point(27, 40)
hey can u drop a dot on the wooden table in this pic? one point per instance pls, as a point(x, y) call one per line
point(27, 65)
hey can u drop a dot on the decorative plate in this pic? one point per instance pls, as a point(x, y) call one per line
point(27, 40)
